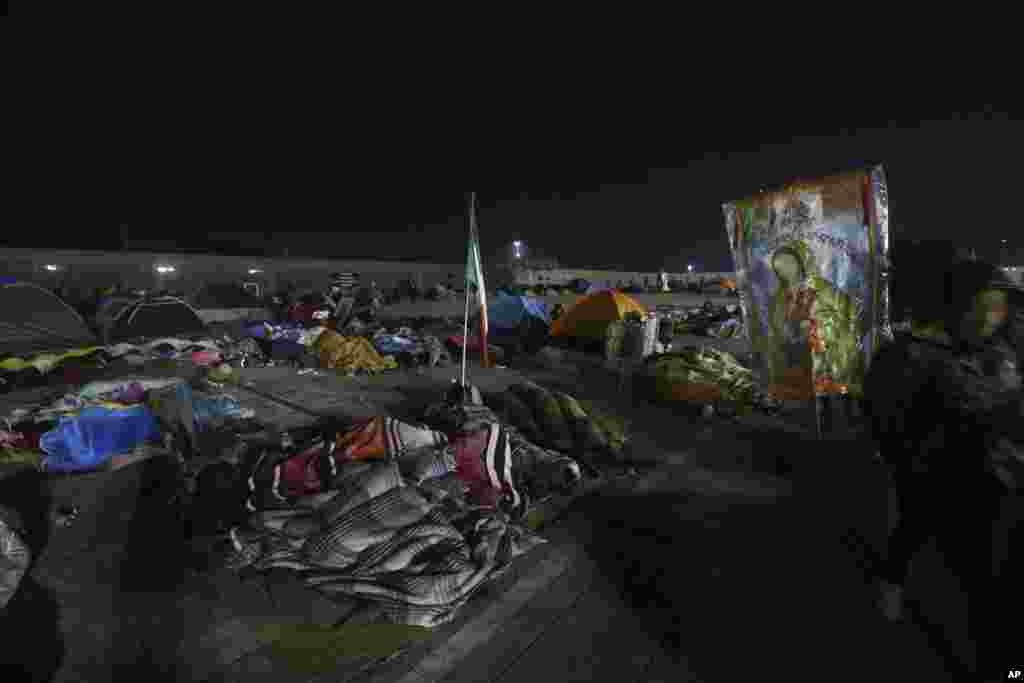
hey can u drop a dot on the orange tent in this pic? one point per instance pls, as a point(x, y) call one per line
point(592, 314)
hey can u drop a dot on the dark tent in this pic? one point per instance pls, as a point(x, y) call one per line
point(225, 296)
point(160, 317)
point(519, 321)
point(34, 320)
point(109, 308)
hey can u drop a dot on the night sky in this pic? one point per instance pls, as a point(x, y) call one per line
point(607, 204)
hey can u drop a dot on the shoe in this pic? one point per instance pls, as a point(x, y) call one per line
point(891, 601)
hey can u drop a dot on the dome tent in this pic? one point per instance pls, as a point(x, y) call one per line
point(508, 312)
point(591, 316)
point(518, 321)
point(225, 295)
point(33, 319)
point(109, 308)
point(157, 317)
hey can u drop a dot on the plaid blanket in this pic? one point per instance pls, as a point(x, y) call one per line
point(15, 557)
point(425, 573)
point(398, 548)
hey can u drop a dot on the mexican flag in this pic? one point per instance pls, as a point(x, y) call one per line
point(475, 279)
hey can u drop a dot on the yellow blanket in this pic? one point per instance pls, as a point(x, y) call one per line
point(349, 354)
point(45, 362)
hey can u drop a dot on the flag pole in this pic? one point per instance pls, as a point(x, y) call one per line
point(465, 336)
point(484, 359)
point(465, 320)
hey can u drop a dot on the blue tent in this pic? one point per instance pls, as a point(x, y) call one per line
point(508, 312)
point(520, 321)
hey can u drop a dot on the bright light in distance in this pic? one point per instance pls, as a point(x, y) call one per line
point(255, 271)
point(51, 267)
point(165, 269)
point(689, 268)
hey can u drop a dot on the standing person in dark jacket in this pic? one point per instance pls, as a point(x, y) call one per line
point(944, 403)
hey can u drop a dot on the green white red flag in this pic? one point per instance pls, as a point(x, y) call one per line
point(475, 278)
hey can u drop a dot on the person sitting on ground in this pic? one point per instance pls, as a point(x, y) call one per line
point(945, 409)
point(341, 294)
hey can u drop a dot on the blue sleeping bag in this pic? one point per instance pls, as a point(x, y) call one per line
point(95, 435)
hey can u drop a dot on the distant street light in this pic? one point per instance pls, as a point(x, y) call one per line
point(255, 271)
point(163, 270)
point(689, 268)
point(517, 247)
point(51, 268)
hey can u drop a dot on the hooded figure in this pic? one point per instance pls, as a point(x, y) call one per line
point(808, 314)
point(945, 409)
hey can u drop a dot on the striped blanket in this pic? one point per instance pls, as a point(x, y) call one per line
point(484, 464)
point(383, 438)
point(383, 541)
point(278, 478)
point(14, 557)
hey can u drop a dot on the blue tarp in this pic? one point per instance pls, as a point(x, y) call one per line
point(285, 330)
point(390, 345)
point(206, 410)
point(96, 434)
point(508, 311)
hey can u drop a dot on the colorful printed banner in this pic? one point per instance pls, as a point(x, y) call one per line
point(809, 260)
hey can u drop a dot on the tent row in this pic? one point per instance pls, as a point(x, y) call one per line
point(34, 320)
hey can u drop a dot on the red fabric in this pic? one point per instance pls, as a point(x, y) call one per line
point(474, 343)
point(302, 313)
point(300, 475)
point(470, 468)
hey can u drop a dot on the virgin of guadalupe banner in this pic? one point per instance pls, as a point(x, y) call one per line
point(809, 259)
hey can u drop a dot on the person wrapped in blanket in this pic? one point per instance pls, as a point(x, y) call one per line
point(945, 407)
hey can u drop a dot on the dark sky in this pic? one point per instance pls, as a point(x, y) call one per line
point(608, 203)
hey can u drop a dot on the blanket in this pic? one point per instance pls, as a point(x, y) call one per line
point(384, 438)
point(484, 463)
point(350, 354)
point(511, 410)
point(547, 413)
point(278, 478)
point(15, 556)
point(382, 541)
